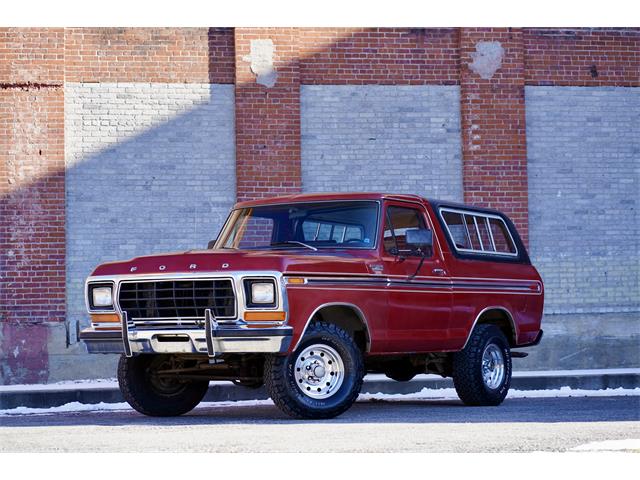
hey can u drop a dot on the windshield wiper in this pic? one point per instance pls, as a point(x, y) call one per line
point(294, 242)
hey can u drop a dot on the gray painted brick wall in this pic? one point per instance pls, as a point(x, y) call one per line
point(402, 139)
point(584, 192)
point(150, 168)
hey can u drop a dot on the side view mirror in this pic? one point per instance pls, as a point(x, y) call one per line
point(211, 244)
point(419, 238)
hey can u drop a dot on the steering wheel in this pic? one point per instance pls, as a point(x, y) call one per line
point(353, 240)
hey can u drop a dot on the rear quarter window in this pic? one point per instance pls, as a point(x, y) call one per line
point(501, 236)
point(480, 233)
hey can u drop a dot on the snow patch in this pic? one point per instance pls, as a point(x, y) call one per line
point(450, 394)
point(74, 407)
point(588, 372)
point(610, 446)
point(69, 407)
point(564, 392)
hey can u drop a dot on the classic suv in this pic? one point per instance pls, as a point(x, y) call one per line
point(307, 293)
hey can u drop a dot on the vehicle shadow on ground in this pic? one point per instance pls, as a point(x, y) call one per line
point(545, 410)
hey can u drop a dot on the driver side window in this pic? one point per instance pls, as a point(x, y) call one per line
point(397, 221)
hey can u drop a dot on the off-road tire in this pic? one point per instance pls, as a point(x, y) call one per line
point(281, 384)
point(141, 393)
point(467, 368)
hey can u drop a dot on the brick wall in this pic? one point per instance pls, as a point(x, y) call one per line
point(381, 56)
point(582, 57)
point(32, 214)
point(267, 116)
point(403, 139)
point(174, 55)
point(31, 55)
point(584, 179)
point(134, 90)
point(493, 121)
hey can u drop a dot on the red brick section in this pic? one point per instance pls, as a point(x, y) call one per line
point(582, 57)
point(391, 56)
point(493, 127)
point(178, 55)
point(32, 202)
point(267, 119)
point(31, 56)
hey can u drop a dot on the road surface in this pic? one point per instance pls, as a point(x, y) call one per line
point(519, 425)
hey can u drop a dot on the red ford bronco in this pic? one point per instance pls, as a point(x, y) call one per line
point(307, 293)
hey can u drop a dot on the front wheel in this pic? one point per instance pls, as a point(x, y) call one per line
point(321, 378)
point(482, 370)
point(156, 395)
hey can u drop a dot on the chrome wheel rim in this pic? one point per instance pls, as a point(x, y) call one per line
point(318, 371)
point(493, 366)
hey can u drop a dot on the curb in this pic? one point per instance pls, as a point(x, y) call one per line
point(225, 391)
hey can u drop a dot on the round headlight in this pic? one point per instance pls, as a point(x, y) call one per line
point(262, 293)
point(101, 297)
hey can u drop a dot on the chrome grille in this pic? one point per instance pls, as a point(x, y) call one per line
point(177, 302)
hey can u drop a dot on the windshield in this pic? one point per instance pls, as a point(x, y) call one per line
point(318, 225)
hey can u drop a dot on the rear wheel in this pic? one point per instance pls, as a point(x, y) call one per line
point(158, 395)
point(321, 378)
point(482, 370)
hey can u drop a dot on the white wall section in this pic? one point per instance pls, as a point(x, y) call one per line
point(150, 168)
point(583, 146)
point(398, 139)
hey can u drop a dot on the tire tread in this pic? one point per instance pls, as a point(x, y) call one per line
point(145, 402)
point(276, 382)
point(466, 378)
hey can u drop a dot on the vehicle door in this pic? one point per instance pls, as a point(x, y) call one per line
point(419, 290)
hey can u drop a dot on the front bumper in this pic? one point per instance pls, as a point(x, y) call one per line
point(213, 340)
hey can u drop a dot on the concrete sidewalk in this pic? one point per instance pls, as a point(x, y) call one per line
point(91, 392)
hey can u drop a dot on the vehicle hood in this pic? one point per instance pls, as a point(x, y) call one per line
point(289, 261)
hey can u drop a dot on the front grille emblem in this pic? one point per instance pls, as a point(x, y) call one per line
point(133, 269)
point(163, 267)
point(193, 266)
point(225, 265)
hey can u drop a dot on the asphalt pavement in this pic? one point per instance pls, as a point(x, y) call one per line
point(518, 425)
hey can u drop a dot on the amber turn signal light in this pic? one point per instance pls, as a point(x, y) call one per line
point(264, 316)
point(105, 318)
point(295, 280)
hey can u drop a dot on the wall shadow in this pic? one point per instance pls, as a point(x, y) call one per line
point(168, 187)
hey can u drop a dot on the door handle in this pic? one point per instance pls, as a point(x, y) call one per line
point(438, 271)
